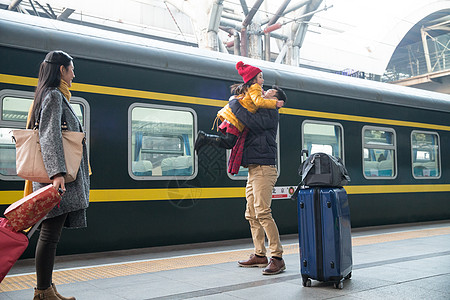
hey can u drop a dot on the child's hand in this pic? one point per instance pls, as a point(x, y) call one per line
point(280, 103)
point(270, 93)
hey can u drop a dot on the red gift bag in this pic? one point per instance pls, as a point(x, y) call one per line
point(29, 210)
point(12, 245)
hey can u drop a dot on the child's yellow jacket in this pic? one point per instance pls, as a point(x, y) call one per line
point(252, 100)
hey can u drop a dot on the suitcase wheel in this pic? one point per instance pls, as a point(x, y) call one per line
point(339, 285)
point(348, 276)
point(306, 282)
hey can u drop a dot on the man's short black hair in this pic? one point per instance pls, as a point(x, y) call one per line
point(281, 95)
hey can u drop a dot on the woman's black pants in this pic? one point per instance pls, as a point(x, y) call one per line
point(46, 250)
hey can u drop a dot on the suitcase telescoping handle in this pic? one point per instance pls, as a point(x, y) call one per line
point(304, 155)
point(33, 229)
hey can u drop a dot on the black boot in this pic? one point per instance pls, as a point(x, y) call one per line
point(206, 139)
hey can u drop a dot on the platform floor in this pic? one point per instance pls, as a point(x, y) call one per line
point(410, 261)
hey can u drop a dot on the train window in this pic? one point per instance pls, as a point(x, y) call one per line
point(14, 107)
point(78, 108)
point(323, 137)
point(379, 153)
point(14, 112)
point(160, 142)
point(425, 152)
point(7, 153)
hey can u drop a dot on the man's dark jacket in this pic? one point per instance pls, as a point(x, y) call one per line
point(260, 144)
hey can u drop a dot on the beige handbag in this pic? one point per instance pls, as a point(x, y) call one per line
point(29, 162)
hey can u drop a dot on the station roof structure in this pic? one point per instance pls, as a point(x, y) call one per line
point(402, 41)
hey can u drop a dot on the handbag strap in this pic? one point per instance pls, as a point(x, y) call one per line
point(310, 163)
point(63, 123)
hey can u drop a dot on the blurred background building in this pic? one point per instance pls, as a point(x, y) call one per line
point(403, 42)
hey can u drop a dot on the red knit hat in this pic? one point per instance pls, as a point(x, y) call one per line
point(246, 71)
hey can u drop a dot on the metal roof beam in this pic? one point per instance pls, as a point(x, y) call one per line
point(286, 11)
point(232, 17)
point(244, 7)
point(216, 13)
point(52, 16)
point(213, 27)
point(13, 5)
point(51, 11)
point(274, 19)
point(445, 25)
point(234, 25)
point(251, 14)
point(279, 12)
point(65, 14)
point(300, 32)
point(248, 19)
point(297, 6)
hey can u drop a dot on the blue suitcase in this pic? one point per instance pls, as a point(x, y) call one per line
point(324, 235)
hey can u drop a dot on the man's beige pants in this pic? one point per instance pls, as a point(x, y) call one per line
point(260, 183)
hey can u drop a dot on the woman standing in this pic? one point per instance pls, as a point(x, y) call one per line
point(50, 108)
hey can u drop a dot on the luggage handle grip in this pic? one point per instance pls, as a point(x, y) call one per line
point(304, 154)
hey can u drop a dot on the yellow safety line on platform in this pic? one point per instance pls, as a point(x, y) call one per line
point(114, 91)
point(21, 282)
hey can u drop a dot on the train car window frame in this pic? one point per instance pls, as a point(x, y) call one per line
point(243, 172)
point(9, 125)
point(130, 141)
point(341, 143)
point(386, 147)
point(437, 155)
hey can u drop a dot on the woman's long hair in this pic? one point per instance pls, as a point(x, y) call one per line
point(49, 77)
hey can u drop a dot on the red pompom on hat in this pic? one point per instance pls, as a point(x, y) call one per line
point(247, 71)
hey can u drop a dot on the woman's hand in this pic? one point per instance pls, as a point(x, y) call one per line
point(59, 182)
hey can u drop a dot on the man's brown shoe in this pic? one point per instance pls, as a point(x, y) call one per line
point(254, 261)
point(275, 266)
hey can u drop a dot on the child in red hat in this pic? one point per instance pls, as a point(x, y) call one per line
point(251, 96)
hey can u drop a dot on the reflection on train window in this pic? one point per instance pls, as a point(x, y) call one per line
point(323, 137)
point(425, 155)
point(79, 111)
point(15, 109)
point(379, 152)
point(161, 142)
point(14, 115)
point(7, 153)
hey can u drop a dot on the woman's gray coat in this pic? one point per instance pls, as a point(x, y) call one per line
point(76, 198)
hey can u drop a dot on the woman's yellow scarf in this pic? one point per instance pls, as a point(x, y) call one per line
point(64, 88)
